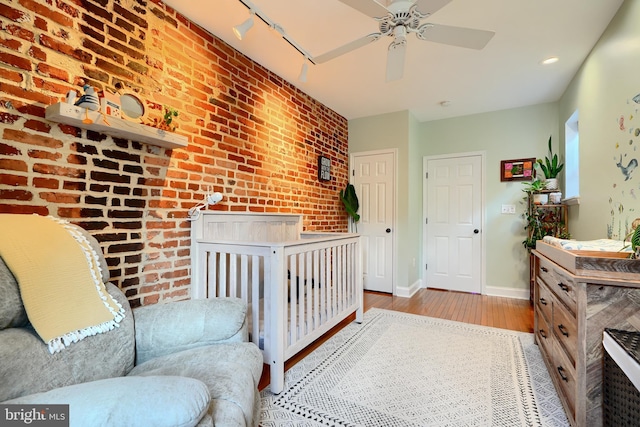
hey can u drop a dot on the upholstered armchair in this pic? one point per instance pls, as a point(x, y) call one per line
point(183, 363)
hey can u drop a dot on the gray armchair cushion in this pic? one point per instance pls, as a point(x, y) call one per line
point(167, 328)
point(230, 371)
point(27, 366)
point(130, 401)
point(12, 313)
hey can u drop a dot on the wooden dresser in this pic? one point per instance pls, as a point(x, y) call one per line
point(576, 296)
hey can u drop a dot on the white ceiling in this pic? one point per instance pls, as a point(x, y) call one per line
point(507, 73)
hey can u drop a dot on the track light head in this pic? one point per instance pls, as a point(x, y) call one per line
point(241, 30)
point(303, 72)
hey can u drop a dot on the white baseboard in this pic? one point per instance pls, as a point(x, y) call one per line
point(408, 291)
point(507, 292)
point(501, 292)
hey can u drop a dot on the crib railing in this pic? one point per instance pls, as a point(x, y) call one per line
point(296, 290)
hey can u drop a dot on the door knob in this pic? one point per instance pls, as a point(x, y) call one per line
point(388, 230)
point(476, 231)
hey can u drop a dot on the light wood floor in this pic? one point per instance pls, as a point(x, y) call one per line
point(497, 312)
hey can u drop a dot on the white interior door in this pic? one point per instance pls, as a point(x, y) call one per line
point(454, 218)
point(373, 176)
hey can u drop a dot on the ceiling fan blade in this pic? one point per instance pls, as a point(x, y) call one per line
point(395, 60)
point(346, 48)
point(429, 7)
point(369, 7)
point(455, 36)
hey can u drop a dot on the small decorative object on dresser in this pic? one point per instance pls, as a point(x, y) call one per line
point(577, 295)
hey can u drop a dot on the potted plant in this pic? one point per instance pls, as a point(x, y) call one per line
point(534, 188)
point(539, 221)
point(634, 241)
point(350, 201)
point(551, 167)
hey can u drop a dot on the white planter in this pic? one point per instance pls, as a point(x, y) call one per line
point(540, 198)
point(552, 183)
point(555, 198)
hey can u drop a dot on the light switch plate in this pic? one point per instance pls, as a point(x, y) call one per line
point(509, 209)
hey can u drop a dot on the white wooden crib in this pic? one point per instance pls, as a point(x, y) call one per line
point(298, 285)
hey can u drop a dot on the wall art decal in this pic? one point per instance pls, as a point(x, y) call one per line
point(626, 182)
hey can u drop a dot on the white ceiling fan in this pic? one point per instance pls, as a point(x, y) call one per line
point(400, 18)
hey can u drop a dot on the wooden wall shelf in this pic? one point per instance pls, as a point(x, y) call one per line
point(71, 115)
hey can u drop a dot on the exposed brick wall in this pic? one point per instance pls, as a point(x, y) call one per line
point(252, 136)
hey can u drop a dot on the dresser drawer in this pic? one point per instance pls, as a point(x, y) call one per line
point(565, 288)
point(545, 300)
point(558, 282)
point(544, 335)
point(565, 376)
point(565, 328)
point(545, 270)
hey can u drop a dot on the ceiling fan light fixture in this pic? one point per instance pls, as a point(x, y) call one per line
point(241, 30)
point(400, 33)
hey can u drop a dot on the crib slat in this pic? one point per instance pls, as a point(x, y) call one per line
point(232, 284)
point(211, 275)
point(308, 293)
point(222, 269)
point(300, 332)
point(323, 285)
point(315, 285)
point(293, 299)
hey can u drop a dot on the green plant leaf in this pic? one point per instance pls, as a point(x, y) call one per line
point(551, 166)
point(350, 201)
point(635, 239)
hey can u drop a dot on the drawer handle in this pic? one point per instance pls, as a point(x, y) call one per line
point(545, 269)
point(543, 301)
point(563, 330)
point(563, 287)
point(543, 334)
point(562, 375)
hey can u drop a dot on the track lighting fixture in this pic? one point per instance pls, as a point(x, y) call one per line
point(241, 30)
point(303, 71)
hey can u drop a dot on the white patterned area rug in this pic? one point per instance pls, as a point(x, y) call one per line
point(399, 369)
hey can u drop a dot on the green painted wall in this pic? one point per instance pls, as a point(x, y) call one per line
point(390, 131)
point(602, 90)
point(509, 134)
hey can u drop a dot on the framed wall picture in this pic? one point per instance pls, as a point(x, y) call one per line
point(517, 170)
point(324, 168)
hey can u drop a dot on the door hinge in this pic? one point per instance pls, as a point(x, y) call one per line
point(426, 220)
point(426, 175)
point(353, 172)
point(426, 266)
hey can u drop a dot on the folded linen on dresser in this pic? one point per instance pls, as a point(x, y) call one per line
point(605, 245)
point(59, 277)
